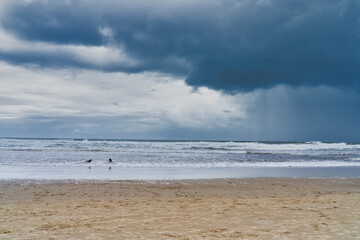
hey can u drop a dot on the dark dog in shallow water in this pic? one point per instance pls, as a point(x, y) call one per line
point(88, 161)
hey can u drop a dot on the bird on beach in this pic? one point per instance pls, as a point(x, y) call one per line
point(110, 160)
point(88, 161)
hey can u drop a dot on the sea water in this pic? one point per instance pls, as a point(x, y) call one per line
point(150, 159)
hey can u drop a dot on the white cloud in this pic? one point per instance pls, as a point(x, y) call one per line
point(145, 98)
point(106, 32)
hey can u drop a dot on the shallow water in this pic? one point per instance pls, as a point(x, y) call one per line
point(119, 173)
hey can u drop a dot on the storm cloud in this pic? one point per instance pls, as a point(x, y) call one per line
point(190, 69)
point(227, 45)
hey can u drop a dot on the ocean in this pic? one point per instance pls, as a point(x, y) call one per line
point(150, 159)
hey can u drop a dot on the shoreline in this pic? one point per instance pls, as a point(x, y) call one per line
point(250, 208)
point(162, 173)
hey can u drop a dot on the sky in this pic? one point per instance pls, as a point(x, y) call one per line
point(259, 70)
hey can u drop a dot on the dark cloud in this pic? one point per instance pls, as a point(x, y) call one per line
point(53, 21)
point(222, 44)
point(57, 60)
point(304, 114)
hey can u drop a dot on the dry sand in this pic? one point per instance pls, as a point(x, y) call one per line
point(194, 209)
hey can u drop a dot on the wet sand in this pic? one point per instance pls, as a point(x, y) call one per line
point(268, 208)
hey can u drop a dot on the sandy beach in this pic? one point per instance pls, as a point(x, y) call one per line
point(258, 208)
